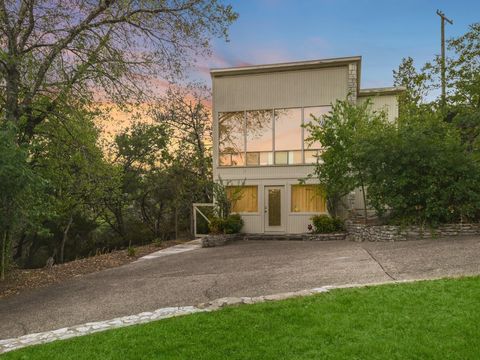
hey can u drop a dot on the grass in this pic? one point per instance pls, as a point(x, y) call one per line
point(424, 320)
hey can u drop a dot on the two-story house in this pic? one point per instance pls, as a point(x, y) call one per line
point(259, 141)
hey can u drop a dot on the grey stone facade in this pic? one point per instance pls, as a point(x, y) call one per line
point(352, 82)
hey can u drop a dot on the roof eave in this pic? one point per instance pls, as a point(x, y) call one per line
point(298, 65)
point(393, 90)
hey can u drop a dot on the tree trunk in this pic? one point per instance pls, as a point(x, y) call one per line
point(176, 221)
point(365, 214)
point(11, 85)
point(3, 264)
point(19, 249)
point(64, 239)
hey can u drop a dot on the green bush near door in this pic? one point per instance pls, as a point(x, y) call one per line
point(326, 224)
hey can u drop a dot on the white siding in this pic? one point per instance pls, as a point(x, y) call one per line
point(295, 223)
point(281, 89)
point(270, 90)
point(383, 102)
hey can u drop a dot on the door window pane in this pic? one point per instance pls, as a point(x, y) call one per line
point(231, 139)
point(307, 198)
point(274, 207)
point(288, 129)
point(260, 137)
point(317, 112)
point(244, 198)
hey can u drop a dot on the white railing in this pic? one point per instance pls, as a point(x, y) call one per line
point(196, 210)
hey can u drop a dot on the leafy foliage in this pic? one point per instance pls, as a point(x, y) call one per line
point(342, 167)
point(418, 171)
point(326, 224)
point(232, 224)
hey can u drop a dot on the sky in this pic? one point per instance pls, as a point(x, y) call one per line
point(382, 32)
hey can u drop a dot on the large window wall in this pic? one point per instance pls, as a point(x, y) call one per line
point(268, 137)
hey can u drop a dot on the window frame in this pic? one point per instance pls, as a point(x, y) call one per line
point(291, 212)
point(245, 143)
point(258, 200)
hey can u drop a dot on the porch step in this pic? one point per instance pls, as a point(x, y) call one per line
point(298, 237)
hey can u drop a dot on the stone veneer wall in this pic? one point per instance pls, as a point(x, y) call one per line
point(352, 82)
point(362, 232)
point(214, 240)
point(324, 237)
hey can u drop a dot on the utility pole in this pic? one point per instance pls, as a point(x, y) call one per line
point(443, 18)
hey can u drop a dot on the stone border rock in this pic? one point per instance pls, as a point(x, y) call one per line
point(362, 232)
point(165, 313)
point(93, 327)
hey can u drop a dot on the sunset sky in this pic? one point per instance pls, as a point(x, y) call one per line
point(383, 32)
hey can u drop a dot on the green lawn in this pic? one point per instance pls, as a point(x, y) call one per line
point(423, 320)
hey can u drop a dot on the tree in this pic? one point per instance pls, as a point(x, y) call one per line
point(463, 74)
point(60, 54)
point(185, 111)
point(415, 84)
point(463, 69)
point(17, 191)
point(66, 155)
point(419, 172)
point(342, 166)
point(139, 152)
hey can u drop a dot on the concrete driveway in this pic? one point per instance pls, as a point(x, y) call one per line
point(245, 268)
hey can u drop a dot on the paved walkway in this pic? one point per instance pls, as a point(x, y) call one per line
point(242, 269)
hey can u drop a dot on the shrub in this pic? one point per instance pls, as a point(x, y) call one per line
point(327, 224)
point(232, 224)
point(131, 251)
point(216, 225)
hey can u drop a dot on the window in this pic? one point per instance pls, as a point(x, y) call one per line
point(307, 198)
point(244, 198)
point(288, 136)
point(267, 137)
point(259, 137)
point(317, 112)
point(231, 129)
point(311, 156)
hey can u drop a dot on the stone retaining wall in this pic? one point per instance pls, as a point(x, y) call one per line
point(361, 232)
point(214, 240)
point(324, 237)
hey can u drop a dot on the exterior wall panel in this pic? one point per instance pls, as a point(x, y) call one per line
point(240, 90)
point(279, 90)
point(384, 102)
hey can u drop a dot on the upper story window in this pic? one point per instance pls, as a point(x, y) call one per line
point(259, 137)
point(311, 149)
point(267, 137)
point(231, 139)
point(288, 136)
